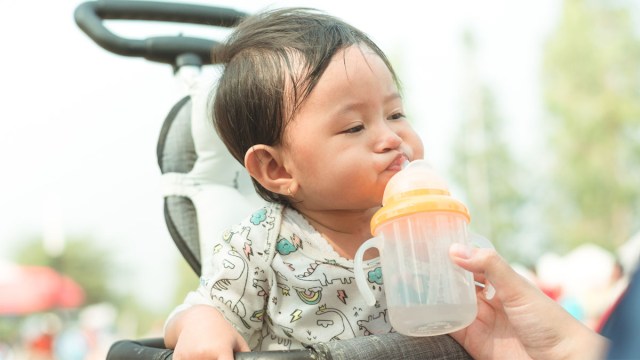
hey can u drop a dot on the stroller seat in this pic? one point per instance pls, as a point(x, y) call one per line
point(191, 198)
point(201, 180)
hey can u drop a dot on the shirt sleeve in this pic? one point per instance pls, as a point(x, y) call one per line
point(236, 281)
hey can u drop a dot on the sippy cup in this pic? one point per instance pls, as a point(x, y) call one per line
point(427, 294)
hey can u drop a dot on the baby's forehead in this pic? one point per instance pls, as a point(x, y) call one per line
point(303, 72)
point(302, 65)
point(302, 68)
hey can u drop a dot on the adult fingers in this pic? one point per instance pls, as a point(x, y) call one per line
point(508, 283)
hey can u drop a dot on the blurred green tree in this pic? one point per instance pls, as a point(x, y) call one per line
point(484, 165)
point(592, 92)
point(187, 281)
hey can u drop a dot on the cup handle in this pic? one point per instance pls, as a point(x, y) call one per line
point(480, 241)
point(358, 270)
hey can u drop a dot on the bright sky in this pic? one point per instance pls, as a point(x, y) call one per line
point(79, 125)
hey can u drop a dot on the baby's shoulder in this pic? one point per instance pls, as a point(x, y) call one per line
point(257, 234)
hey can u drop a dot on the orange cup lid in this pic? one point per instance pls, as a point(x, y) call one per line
point(416, 188)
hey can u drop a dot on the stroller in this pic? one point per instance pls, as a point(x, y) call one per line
point(200, 178)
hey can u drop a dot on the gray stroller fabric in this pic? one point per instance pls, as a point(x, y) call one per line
point(176, 153)
point(393, 346)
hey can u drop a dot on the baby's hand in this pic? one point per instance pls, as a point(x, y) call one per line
point(205, 334)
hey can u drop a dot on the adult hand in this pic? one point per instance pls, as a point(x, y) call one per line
point(519, 322)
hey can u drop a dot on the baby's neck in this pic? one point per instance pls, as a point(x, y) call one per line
point(344, 230)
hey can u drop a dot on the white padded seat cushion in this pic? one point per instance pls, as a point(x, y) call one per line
point(219, 187)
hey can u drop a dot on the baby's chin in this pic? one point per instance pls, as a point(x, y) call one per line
point(379, 193)
point(366, 205)
point(377, 199)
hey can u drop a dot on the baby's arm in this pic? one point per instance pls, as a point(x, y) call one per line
point(201, 332)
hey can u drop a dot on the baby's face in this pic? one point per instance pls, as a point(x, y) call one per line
point(350, 135)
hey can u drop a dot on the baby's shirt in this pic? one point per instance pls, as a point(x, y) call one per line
point(281, 284)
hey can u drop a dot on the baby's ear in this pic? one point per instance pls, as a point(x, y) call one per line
point(264, 164)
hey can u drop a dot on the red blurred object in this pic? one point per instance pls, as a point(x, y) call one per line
point(552, 291)
point(31, 289)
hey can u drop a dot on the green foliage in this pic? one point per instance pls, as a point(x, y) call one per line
point(9, 329)
point(135, 320)
point(486, 170)
point(187, 281)
point(591, 89)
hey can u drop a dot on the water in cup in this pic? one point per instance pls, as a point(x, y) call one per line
point(440, 318)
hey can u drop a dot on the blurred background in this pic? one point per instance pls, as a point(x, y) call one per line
point(530, 110)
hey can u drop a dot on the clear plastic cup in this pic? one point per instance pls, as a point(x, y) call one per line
point(426, 293)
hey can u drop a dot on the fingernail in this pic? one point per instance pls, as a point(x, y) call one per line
point(460, 250)
point(489, 290)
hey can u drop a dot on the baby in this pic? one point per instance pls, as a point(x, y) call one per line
point(312, 108)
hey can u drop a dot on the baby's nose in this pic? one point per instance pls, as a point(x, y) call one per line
point(389, 140)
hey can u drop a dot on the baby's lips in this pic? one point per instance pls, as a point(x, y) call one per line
point(398, 163)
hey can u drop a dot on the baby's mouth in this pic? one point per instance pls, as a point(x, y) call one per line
point(399, 163)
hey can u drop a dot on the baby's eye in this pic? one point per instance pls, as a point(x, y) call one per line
point(354, 129)
point(397, 116)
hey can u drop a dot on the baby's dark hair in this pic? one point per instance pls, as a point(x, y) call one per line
point(273, 60)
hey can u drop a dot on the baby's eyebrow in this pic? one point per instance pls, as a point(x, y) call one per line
point(349, 107)
point(393, 96)
point(354, 106)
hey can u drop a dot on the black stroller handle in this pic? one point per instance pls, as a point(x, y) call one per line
point(164, 49)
